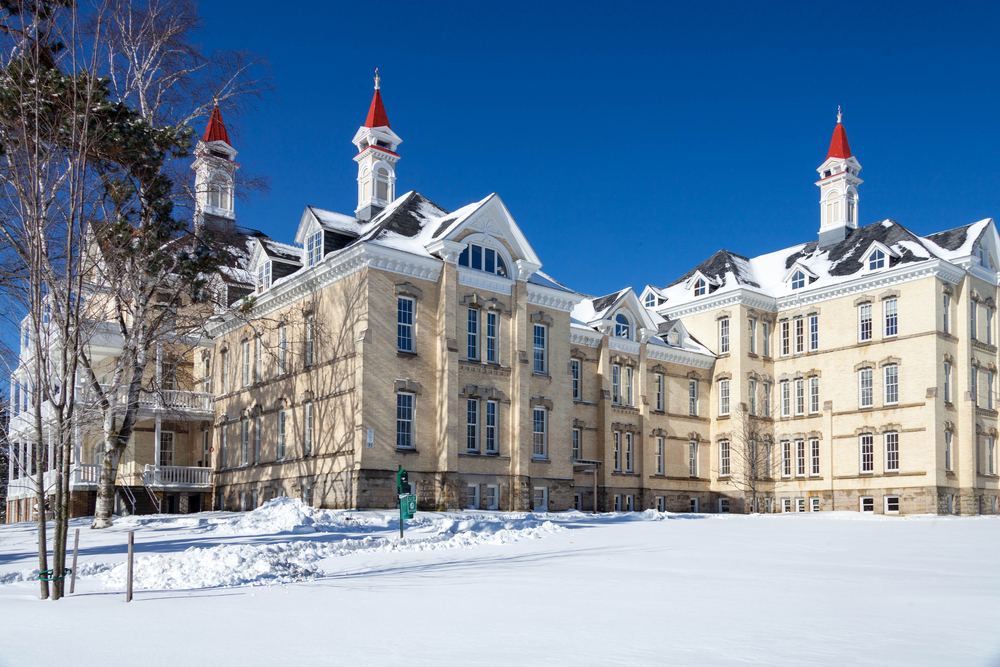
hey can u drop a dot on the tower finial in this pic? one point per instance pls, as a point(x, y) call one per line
point(838, 107)
point(377, 79)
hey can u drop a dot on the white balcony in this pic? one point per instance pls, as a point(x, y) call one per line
point(197, 404)
point(81, 476)
point(178, 477)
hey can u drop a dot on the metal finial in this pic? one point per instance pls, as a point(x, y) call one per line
point(376, 78)
point(838, 112)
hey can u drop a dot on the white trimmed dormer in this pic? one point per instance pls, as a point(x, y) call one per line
point(651, 297)
point(376, 158)
point(798, 277)
point(877, 257)
point(838, 187)
point(625, 318)
point(215, 177)
point(700, 284)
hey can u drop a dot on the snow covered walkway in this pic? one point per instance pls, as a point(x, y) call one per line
point(287, 584)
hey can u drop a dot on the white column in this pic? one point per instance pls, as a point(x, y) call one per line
point(159, 381)
point(12, 463)
point(77, 446)
point(156, 441)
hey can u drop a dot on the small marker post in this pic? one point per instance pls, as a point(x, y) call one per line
point(131, 553)
point(76, 550)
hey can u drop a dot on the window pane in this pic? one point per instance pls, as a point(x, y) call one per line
point(477, 257)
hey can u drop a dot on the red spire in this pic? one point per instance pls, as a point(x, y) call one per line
point(839, 147)
point(376, 113)
point(216, 130)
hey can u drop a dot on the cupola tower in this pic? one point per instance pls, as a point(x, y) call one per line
point(215, 176)
point(838, 186)
point(376, 158)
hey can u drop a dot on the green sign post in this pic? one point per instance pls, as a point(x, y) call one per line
point(407, 501)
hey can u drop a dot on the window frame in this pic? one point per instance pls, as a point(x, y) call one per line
point(800, 397)
point(616, 450)
point(890, 318)
point(282, 434)
point(492, 339)
point(540, 337)
point(786, 398)
point(814, 394)
point(406, 308)
point(865, 327)
point(310, 356)
point(244, 442)
point(629, 451)
point(814, 462)
point(813, 333)
point(283, 349)
point(786, 338)
point(692, 397)
point(800, 335)
point(890, 384)
point(752, 333)
point(658, 380)
point(766, 336)
point(575, 369)
point(886, 500)
point(862, 388)
point(866, 454)
point(472, 426)
point(724, 458)
point(724, 335)
point(693, 459)
point(308, 429)
point(786, 459)
point(314, 248)
point(491, 430)
point(539, 439)
point(659, 458)
point(800, 458)
point(890, 445)
point(724, 397)
point(577, 451)
point(406, 417)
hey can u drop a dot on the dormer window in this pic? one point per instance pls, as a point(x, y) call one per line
point(700, 287)
point(623, 329)
point(650, 300)
point(314, 248)
point(482, 258)
point(263, 276)
point(876, 260)
point(798, 280)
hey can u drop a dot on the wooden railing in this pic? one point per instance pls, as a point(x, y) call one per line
point(177, 476)
point(167, 399)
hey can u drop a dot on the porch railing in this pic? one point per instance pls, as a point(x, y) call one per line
point(177, 476)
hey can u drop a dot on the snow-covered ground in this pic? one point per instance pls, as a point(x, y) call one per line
point(287, 584)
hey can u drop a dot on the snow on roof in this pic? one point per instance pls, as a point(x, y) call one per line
point(768, 273)
point(291, 254)
point(545, 280)
point(337, 221)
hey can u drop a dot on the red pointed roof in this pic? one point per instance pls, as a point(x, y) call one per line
point(376, 113)
point(216, 130)
point(839, 147)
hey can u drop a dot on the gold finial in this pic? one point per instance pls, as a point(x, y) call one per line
point(376, 78)
point(838, 110)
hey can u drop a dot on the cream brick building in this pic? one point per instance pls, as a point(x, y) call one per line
point(407, 335)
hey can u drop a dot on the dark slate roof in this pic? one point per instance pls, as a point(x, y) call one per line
point(602, 303)
point(847, 257)
point(952, 239)
point(406, 218)
point(718, 265)
point(281, 251)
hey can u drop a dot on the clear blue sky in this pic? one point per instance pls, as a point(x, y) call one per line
point(629, 141)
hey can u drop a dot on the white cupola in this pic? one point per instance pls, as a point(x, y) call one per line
point(215, 176)
point(838, 186)
point(376, 158)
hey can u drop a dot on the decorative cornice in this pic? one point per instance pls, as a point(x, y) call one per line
point(624, 345)
point(675, 355)
point(578, 337)
point(551, 298)
point(484, 280)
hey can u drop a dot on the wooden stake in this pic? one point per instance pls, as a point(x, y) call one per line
point(131, 552)
point(76, 549)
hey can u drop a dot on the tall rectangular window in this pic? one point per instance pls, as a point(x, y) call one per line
point(973, 324)
point(577, 444)
point(889, 307)
point(724, 458)
point(659, 455)
point(767, 399)
point(281, 434)
point(659, 391)
point(867, 453)
point(814, 451)
point(892, 452)
point(541, 351)
point(616, 384)
point(166, 449)
point(310, 339)
point(800, 458)
point(224, 433)
point(574, 366)
point(786, 398)
point(472, 425)
point(307, 442)
point(752, 334)
point(693, 458)
point(767, 460)
point(258, 359)
point(786, 458)
point(617, 449)
point(206, 371)
point(865, 395)
point(225, 371)
point(786, 338)
point(473, 334)
point(404, 420)
point(244, 442)
point(891, 377)
point(813, 333)
point(800, 335)
point(989, 389)
point(814, 395)
point(206, 449)
point(947, 450)
point(989, 326)
point(629, 372)
point(800, 396)
point(865, 322)
point(629, 451)
point(282, 350)
point(991, 455)
point(752, 396)
point(256, 439)
point(246, 363)
point(539, 434)
point(492, 332)
point(766, 335)
point(975, 386)
point(946, 319)
point(693, 398)
point(492, 441)
point(404, 323)
point(724, 335)
point(314, 248)
point(723, 397)
point(947, 382)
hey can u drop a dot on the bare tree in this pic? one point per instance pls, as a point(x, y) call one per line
point(747, 460)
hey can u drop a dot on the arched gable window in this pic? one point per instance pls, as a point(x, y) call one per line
point(382, 183)
point(220, 193)
point(851, 204)
point(650, 300)
point(482, 258)
point(366, 185)
point(876, 260)
point(700, 287)
point(623, 329)
point(798, 280)
point(833, 207)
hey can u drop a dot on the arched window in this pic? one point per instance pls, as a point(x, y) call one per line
point(382, 184)
point(833, 207)
point(366, 185)
point(220, 193)
point(483, 258)
point(798, 280)
point(622, 327)
point(700, 287)
point(851, 207)
point(876, 260)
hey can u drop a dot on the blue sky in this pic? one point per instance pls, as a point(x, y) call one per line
point(629, 140)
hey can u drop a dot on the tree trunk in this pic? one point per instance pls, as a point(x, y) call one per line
point(40, 502)
point(106, 489)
